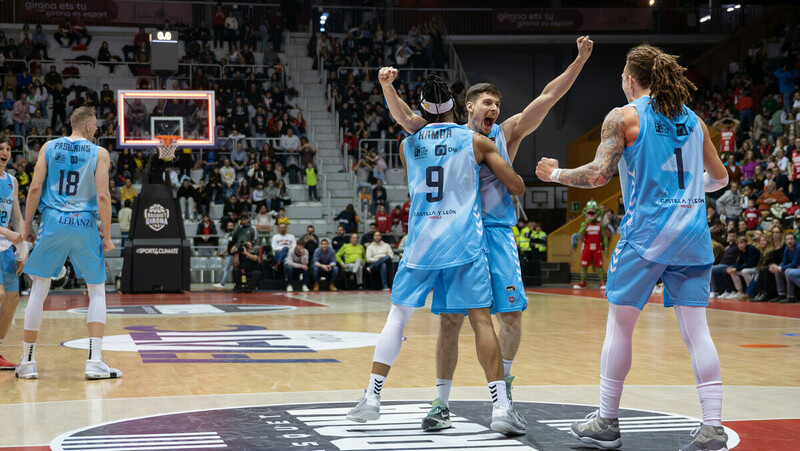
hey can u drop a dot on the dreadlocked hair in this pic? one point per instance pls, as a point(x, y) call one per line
point(653, 68)
point(435, 90)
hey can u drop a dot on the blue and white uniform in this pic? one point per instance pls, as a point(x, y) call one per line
point(664, 232)
point(69, 213)
point(499, 215)
point(445, 231)
point(8, 263)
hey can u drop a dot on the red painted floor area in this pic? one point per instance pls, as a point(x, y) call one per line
point(24, 448)
point(767, 435)
point(764, 308)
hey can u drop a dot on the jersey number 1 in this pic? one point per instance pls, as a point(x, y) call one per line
point(679, 159)
point(70, 188)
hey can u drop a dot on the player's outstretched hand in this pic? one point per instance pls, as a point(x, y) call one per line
point(15, 237)
point(585, 46)
point(108, 245)
point(387, 75)
point(546, 167)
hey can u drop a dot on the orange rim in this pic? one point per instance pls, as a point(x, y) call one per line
point(167, 140)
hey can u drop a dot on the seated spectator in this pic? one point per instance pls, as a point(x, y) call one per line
point(720, 282)
point(748, 259)
point(246, 262)
point(379, 196)
point(265, 220)
point(283, 194)
point(187, 196)
point(311, 239)
point(229, 182)
point(81, 32)
point(383, 221)
point(65, 30)
point(365, 199)
point(395, 217)
point(281, 243)
point(232, 208)
point(324, 265)
point(128, 192)
point(258, 196)
point(205, 236)
point(353, 256)
point(282, 218)
point(787, 273)
point(271, 194)
point(244, 194)
point(347, 218)
point(367, 237)
point(770, 197)
point(104, 55)
point(124, 217)
point(296, 262)
point(379, 258)
point(204, 196)
point(340, 238)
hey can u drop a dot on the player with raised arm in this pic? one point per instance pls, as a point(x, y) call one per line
point(499, 216)
point(662, 149)
point(11, 260)
point(70, 188)
point(445, 246)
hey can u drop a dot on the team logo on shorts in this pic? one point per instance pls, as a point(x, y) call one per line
point(156, 217)
point(511, 299)
point(510, 288)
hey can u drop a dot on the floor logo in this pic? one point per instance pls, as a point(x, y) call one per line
point(241, 344)
point(323, 426)
point(187, 309)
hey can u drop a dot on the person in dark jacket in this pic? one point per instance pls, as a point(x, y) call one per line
point(347, 218)
point(721, 283)
point(787, 274)
point(749, 257)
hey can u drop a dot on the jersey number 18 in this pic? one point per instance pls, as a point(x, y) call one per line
point(68, 185)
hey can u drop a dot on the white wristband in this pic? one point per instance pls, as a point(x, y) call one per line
point(555, 174)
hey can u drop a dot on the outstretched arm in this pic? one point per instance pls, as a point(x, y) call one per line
point(523, 124)
point(598, 172)
point(397, 107)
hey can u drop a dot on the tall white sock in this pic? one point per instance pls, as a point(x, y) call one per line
point(498, 391)
point(95, 348)
point(610, 394)
point(375, 385)
point(443, 387)
point(711, 401)
point(507, 367)
point(27, 351)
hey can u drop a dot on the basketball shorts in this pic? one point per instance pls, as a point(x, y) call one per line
point(8, 267)
point(631, 279)
point(508, 293)
point(72, 235)
point(466, 286)
point(591, 254)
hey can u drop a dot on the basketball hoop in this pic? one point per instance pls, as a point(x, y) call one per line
point(167, 146)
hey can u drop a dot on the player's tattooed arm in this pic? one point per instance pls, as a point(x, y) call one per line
point(599, 171)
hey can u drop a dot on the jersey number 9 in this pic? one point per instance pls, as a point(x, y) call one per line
point(437, 173)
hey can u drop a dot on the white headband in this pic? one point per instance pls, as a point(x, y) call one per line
point(436, 108)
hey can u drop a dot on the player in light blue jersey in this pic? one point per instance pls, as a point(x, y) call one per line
point(69, 188)
point(445, 246)
point(499, 216)
point(662, 150)
point(11, 261)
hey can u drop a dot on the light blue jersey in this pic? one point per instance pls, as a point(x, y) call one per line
point(444, 222)
point(7, 183)
point(661, 176)
point(70, 184)
point(497, 205)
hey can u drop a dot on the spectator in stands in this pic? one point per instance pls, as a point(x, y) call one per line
point(306, 151)
point(218, 22)
point(206, 236)
point(787, 273)
point(282, 218)
point(124, 217)
point(21, 116)
point(311, 239)
point(786, 78)
point(734, 171)
point(229, 182)
point(395, 217)
point(244, 194)
point(187, 197)
point(379, 196)
point(246, 262)
point(265, 220)
point(311, 181)
point(365, 199)
point(271, 194)
point(283, 194)
point(721, 283)
point(59, 95)
point(104, 55)
point(243, 233)
point(129, 51)
point(324, 265)
point(729, 204)
point(404, 217)
point(367, 237)
point(210, 161)
point(231, 29)
point(297, 262)
point(81, 32)
point(340, 238)
point(281, 243)
point(770, 197)
point(352, 255)
point(747, 260)
point(258, 196)
point(128, 192)
point(65, 30)
point(383, 220)
point(347, 218)
point(379, 258)
point(40, 43)
point(116, 204)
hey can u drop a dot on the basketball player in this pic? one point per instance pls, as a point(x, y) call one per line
point(445, 246)
point(499, 216)
point(9, 274)
point(69, 187)
point(661, 149)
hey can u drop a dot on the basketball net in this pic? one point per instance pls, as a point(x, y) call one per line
point(167, 146)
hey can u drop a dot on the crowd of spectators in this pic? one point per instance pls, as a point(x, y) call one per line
point(755, 106)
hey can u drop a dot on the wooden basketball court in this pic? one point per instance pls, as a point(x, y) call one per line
point(217, 350)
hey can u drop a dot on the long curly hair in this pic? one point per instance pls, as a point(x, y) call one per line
point(660, 71)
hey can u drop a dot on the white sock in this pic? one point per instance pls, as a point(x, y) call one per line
point(443, 387)
point(498, 391)
point(610, 394)
point(27, 351)
point(375, 385)
point(507, 367)
point(95, 348)
point(711, 401)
